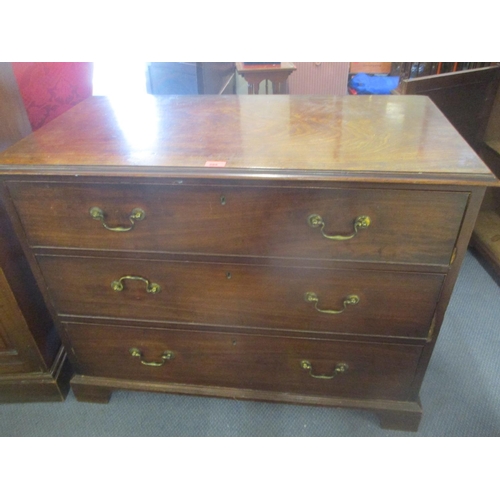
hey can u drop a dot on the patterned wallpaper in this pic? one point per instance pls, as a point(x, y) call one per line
point(49, 89)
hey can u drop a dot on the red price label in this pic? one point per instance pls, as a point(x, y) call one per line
point(215, 164)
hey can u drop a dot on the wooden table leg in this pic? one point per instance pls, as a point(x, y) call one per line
point(279, 82)
point(254, 82)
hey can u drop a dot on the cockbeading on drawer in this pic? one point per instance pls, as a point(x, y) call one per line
point(381, 303)
point(354, 369)
point(376, 225)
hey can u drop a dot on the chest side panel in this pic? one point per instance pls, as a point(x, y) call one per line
point(15, 337)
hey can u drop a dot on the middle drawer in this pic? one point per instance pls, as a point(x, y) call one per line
point(247, 296)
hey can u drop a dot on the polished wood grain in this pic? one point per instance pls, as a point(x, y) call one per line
point(390, 304)
point(246, 361)
point(255, 136)
point(243, 221)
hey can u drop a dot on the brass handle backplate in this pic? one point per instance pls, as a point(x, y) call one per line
point(137, 214)
point(339, 368)
point(166, 356)
point(350, 300)
point(361, 222)
point(117, 285)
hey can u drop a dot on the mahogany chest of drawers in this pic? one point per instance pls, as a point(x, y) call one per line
point(278, 248)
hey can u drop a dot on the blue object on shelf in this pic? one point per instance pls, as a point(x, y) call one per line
point(373, 84)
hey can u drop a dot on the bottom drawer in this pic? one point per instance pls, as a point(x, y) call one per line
point(312, 367)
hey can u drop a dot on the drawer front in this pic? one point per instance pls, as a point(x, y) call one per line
point(390, 303)
point(405, 225)
point(365, 370)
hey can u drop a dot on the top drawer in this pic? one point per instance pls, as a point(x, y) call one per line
point(406, 226)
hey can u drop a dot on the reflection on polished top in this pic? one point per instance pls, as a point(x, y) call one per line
point(255, 136)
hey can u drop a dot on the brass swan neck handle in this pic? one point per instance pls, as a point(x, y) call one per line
point(361, 222)
point(137, 214)
point(166, 356)
point(117, 285)
point(339, 368)
point(350, 300)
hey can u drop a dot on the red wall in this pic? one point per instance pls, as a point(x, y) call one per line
point(49, 89)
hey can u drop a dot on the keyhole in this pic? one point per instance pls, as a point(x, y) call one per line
point(222, 200)
point(228, 276)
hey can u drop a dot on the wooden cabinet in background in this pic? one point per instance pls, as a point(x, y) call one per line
point(464, 97)
point(33, 365)
point(470, 99)
point(486, 236)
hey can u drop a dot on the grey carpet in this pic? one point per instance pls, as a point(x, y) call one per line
point(460, 394)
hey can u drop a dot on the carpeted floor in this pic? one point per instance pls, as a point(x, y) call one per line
point(460, 394)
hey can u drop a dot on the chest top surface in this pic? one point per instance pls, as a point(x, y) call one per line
point(324, 137)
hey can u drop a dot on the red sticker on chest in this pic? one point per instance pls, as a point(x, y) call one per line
point(215, 164)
